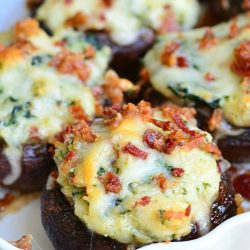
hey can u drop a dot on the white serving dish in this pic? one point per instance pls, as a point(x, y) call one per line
point(231, 235)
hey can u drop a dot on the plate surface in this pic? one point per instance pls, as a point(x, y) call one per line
point(26, 221)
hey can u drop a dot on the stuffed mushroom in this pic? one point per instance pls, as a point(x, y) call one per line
point(45, 83)
point(128, 27)
point(209, 67)
point(139, 175)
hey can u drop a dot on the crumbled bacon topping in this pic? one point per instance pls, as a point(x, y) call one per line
point(81, 129)
point(164, 125)
point(241, 63)
point(25, 243)
point(209, 77)
point(178, 172)
point(135, 151)
point(26, 28)
point(114, 87)
point(154, 139)
point(67, 62)
point(77, 112)
point(77, 20)
point(111, 182)
point(144, 201)
point(169, 23)
point(215, 120)
point(162, 182)
point(188, 211)
point(208, 40)
point(168, 56)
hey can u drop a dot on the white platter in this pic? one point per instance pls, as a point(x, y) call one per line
point(231, 235)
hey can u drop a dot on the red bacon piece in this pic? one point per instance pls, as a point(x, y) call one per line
point(133, 150)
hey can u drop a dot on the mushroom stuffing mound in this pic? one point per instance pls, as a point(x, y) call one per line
point(45, 83)
point(209, 67)
point(138, 175)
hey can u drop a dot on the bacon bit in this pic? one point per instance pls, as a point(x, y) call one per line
point(154, 139)
point(61, 43)
point(181, 124)
point(211, 148)
point(71, 63)
point(107, 3)
point(68, 2)
point(162, 181)
point(168, 57)
point(78, 112)
point(24, 243)
point(77, 20)
point(188, 211)
point(182, 62)
point(25, 29)
point(174, 215)
point(208, 39)
point(144, 201)
point(133, 150)
point(178, 172)
point(169, 23)
point(82, 130)
point(34, 133)
point(145, 110)
point(209, 77)
point(164, 125)
point(241, 63)
point(188, 113)
point(233, 30)
point(89, 52)
point(215, 120)
point(70, 156)
point(112, 117)
point(111, 182)
point(114, 87)
point(169, 146)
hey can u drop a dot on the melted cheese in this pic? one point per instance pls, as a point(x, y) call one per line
point(124, 19)
point(115, 214)
point(226, 90)
point(34, 95)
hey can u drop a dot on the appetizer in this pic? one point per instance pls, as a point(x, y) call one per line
point(45, 83)
point(209, 67)
point(128, 27)
point(137, 176)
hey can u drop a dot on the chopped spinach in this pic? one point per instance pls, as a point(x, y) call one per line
point(161, 163)
point(118, 202)
point(101, 171)
point(206, 185)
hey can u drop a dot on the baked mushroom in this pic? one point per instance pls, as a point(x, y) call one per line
point(128, 27)
point(209, 67)
point(136, 163)
point(45, 83)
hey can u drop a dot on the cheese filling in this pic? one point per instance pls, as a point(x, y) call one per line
point(123, 19)
point(128, 185)
point(38, 99)
point(198, 66)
